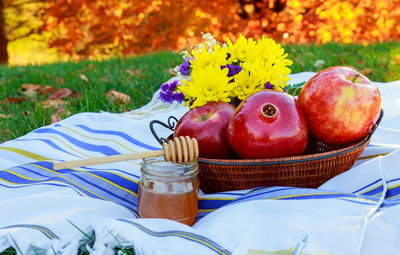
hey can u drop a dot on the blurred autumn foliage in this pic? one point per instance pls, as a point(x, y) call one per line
point(95, 28)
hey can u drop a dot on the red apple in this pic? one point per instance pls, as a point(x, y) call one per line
point(340, 104)
point(268, 124)
point(208, 125)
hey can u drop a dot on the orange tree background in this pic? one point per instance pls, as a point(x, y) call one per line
point(87, 28)
point(102, 27)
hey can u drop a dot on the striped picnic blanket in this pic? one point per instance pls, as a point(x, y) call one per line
point(47, 211)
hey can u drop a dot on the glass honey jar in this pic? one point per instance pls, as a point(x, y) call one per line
point(168, 190)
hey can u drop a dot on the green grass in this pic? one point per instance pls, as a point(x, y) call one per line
point(383, 59)
point(150, 71)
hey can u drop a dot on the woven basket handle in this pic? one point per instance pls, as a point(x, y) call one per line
point(172, 121)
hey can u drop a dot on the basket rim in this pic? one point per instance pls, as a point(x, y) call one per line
point(284, 160)
point(294, 159)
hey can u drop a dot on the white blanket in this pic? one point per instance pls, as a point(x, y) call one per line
point(43, 211)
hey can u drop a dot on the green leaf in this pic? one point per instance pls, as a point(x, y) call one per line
point(294, 89)
point(83, 232)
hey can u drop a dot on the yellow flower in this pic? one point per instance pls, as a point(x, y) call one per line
point(255, 75)
point(209, 84)
point(271, 71)
point(203, 57)
point(246, 83)
point(242, 50)
point(269, 50)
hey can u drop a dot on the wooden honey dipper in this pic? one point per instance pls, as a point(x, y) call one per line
point(179, 150)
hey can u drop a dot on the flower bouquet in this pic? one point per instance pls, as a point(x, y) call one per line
point(239, 99)
point(229, 72)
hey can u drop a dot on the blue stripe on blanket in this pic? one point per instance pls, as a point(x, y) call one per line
point(89, 182)
point(120, 134)
point(393, 190)
point(50, 143)
point(106, 150)
point(357, 202)
point(366, 186)
point(212, 203)
point(47, 232)
point(258, 192)
point(373, 191)
point(103, 175)
point(182, 234)
point(30, 171)
point(14, 180)
point(123, 196)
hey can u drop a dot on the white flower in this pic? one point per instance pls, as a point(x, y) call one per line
point(175, 71)
point(185, 54)
point(209, 42)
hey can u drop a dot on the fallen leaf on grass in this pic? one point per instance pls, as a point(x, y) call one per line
point(60, 93)
point(54, 103)
point(30, 90)
point(84, 78)
point(59, 115)
point(105, 78)
point(75, 95)
point(48, 90)
point(129, 72)
point(366, 71)
point(138, 72)
point(12, 100)
point(118, 97)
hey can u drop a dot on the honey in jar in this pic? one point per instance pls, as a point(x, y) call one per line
point(168, 190)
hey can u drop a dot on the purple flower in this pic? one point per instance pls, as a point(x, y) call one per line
point(232, 69)
point(178, 96)
point(168, 94)
point(185, 67)
point(165, 86)
point(268, 85)
point(173, 85)
point(228, 55)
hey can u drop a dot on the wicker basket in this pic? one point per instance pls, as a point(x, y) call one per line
point(320, 163)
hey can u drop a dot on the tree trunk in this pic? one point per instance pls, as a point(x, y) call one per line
point(3, 37)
